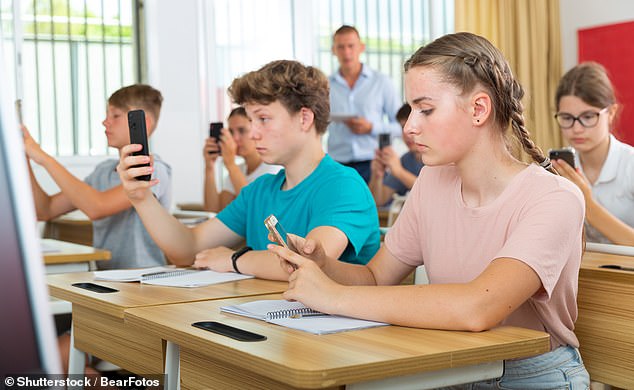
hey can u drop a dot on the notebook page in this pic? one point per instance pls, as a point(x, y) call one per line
point(128, 275)
point(322, 324)
point(197, 279)
point(260, 309)
point(326, 324)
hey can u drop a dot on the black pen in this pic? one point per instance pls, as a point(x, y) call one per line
point(619, 267)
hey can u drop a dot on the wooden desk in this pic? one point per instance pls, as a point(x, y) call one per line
point(69, 257)
point(605, 326)
point(72, 227)
point(68, 252)
point(99, 329)
point(294, 359)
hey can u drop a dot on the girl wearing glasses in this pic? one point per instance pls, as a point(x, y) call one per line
point(586, 112)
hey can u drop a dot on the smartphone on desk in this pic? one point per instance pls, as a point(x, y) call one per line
point(566, 154)
point(215, 129)
point(138, 135)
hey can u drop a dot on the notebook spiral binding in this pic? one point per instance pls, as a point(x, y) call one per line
point(167, 274)
point(279, 314)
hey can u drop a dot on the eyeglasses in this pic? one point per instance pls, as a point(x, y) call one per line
point(586, 119)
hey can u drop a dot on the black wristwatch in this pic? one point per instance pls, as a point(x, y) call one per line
point(236, 255)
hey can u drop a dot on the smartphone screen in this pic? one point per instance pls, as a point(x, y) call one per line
point(568, 155)
point(384, 140)
point(138, 135)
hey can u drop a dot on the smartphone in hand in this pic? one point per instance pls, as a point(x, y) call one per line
point(384, 140)
point(138, 135)
point(566, 154)
point(277, 231)
point(215, 129)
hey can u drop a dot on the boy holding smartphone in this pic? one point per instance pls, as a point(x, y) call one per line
point(288, 105)
point(116, 225)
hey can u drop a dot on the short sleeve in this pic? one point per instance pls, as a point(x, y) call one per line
point(554, 220)
point(234, 216)
point(350, 208)
point(163, 190)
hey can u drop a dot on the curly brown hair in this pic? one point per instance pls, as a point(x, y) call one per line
point(294, 85)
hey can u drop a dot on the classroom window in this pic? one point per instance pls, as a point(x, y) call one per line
point(391, 30)
point(249, 33)
point(67, 57)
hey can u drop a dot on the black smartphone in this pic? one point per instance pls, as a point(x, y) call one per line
point(384, 140)
point(229, 331)
point(566, 154)
point(138, 135)
point(94, 287)
point(214, 132)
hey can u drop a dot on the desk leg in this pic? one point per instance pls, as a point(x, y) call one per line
point(172, 366)
point(76, 358)
point(435, 379)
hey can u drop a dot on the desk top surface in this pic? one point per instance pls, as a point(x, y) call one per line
point(305, 360)
point(59, 252)
point(590, 267)
point(135, 294)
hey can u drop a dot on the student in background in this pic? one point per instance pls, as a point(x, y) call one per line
point(586, 114)
point(391, 174)
point(501, 240)
point(116, 225)
point(356, 89)
point(287, 103)
point(234, 141)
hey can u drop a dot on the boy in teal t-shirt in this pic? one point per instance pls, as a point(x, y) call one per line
point(313, 196)
point(333, 195)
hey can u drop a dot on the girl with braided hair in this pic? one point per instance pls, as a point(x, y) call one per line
point(479, 219)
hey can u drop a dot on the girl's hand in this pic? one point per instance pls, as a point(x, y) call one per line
point(308, 283)
point(210, 152)
point(228, 148)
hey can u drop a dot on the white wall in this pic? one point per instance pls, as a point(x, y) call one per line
point(579, 14)
point(176, 40)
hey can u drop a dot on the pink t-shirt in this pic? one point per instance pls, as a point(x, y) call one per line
point(538, 220)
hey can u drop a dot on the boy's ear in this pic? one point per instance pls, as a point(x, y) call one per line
point(149, 123)
point(307, 118)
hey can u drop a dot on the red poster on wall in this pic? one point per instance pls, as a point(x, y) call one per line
point(613, 47)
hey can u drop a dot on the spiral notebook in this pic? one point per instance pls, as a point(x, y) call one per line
point(171, 277)
point(297, 316)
